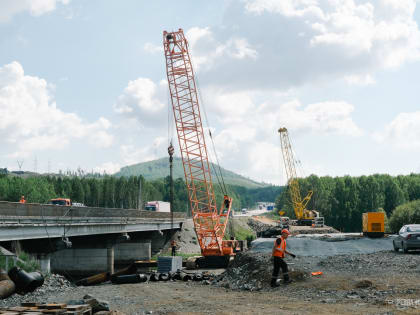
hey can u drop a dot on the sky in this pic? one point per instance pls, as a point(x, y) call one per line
point(83, 84)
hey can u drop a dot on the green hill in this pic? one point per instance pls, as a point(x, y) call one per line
point(160, 168)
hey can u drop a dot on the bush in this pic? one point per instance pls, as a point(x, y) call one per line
point(408, 213)
point(25, 262)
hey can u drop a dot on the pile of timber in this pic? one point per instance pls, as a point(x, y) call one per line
point(29, 308)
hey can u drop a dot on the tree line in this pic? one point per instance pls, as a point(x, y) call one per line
point(342, 200)
point(119, 192)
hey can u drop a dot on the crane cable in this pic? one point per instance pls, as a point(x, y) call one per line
point(220, 181)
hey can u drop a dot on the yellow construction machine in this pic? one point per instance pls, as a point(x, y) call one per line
point(303, 215)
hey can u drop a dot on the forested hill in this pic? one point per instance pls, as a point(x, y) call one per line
point(157, 169)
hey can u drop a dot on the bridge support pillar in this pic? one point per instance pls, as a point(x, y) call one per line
point(110, 259)
point(45, 263)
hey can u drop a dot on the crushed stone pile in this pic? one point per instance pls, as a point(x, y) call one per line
point(259, 226)
point(311, 230)
point(385, 261)
point(252, 272)
point(53, 283)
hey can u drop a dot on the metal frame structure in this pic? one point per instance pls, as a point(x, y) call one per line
point(299, 204)
point(210, 224)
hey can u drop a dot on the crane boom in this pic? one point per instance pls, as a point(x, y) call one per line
point(299, 204)
point(209, 223)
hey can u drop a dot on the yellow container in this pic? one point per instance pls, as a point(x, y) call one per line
point(374, 224)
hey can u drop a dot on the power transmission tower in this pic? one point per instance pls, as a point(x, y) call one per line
point(35, 164)
point(20, 164)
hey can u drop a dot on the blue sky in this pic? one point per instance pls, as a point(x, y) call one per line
point(82, 83)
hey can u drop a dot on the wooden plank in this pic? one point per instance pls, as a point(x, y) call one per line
point(54, 311)
point(29, 304)
point(77, 307)
point(17, 309)
point(52, 306)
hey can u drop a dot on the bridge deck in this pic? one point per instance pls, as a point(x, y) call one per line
point(32, 221)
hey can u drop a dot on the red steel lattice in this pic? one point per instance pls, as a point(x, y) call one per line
point(210, 224)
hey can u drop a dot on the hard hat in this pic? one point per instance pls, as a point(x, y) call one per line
point(285, 231)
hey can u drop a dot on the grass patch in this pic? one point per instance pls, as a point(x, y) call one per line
point(241, 233)
point(27, 262)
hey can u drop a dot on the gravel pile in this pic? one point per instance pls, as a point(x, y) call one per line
point(385, 261)
point(310, 230)
point(187, 239)
point(252, 272)
point(259, 226)
point(52, 284)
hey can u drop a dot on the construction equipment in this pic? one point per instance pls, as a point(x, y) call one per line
point(209, 223)
point(373, 224)
point(60, 202)
point(158, 206)
point(303, 215)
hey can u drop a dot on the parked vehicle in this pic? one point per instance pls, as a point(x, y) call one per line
point(373, 224)
point(78, 204)
point(60, 202)
point(158, 206)
point(244, 211)
point(408, 238)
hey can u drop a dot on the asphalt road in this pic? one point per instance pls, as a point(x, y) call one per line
point(315, 247)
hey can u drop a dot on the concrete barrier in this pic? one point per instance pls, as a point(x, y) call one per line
point(44, 210)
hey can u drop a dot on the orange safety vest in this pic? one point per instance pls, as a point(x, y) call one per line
point(279, 249)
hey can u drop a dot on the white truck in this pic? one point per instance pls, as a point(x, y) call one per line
point(158, 206)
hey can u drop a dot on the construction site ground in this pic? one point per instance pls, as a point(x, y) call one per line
point(359, 276)
point(391, 287)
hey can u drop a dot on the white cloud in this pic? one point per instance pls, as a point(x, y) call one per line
point(143, 100)
point(30, 120)
point(270, 44)
point(132, 154)
point(403, 132)
point(9, 8)
point(355, 79)
point(206, 49)
point(108, 168)
point(152, 48)
point(248, 139)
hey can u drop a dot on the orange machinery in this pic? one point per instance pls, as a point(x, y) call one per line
point(209, 222)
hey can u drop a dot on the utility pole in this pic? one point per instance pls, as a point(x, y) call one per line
point(171, 183)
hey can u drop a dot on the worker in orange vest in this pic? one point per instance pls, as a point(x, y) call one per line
point(279, 251)
point(22, 199)
point(173, 245)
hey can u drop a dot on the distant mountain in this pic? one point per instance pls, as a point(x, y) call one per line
point(160, 168)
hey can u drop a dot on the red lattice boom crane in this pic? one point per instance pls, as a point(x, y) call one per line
point(209, 222)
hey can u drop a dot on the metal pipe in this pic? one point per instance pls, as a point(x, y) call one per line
point(7, 288)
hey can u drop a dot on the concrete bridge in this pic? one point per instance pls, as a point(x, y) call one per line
point(99, 237)
point(36, 221)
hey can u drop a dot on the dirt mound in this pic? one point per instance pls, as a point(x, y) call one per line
point(252, 271)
